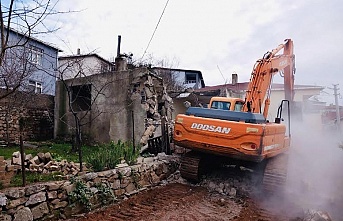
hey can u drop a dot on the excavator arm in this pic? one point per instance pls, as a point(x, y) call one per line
point(258, 92)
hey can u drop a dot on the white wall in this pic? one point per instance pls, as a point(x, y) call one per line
point(83, 66)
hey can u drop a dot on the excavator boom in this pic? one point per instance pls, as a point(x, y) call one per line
point(258, 92)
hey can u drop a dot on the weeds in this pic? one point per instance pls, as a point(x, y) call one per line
point(105, 194)
point(81, 194)
point(109, 155)
point(135, 179)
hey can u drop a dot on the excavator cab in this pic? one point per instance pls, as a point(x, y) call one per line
point(226, 103)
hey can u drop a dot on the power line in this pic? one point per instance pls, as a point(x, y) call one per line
point(152, 36)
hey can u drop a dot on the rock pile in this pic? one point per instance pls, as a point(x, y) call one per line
point(44, 163)
point(316, 215)
point(6, 172)
point(230, 181)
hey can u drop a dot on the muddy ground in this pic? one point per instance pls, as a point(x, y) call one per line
point(181, 200)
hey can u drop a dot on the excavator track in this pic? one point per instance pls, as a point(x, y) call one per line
point(275, 174)
point(190, 167)
point(273, 171)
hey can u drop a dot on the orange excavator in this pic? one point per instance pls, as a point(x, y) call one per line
point(238, 131)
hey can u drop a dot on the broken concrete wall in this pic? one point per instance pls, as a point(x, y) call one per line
point(124, 105)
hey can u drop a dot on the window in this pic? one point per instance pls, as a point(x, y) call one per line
point(191, 78)
point(36, 55)
point(239, 106)
point(221, 105)
point(81, 97)
point(103, 68)
point(35, 87)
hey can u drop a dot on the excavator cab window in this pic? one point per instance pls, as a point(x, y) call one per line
point(221, 105)
point(239, 106)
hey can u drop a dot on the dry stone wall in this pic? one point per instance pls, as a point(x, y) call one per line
point(39, 124)
point(52, 200)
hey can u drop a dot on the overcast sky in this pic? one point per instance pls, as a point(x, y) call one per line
point(210, 35)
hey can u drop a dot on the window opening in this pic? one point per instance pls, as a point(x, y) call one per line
point(191, 78)
point(81, 97)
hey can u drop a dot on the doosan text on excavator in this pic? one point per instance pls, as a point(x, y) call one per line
point(237, 131)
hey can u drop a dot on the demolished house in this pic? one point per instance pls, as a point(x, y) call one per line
point(125, 104)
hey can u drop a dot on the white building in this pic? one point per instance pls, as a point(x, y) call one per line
point(75, 66)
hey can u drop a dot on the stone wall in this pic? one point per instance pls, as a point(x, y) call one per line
point(52, 201)
point(37, 116)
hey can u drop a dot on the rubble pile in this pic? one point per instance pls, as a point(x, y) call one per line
point(316, 215)
point(230, 181)
point(151, 106)
point(6, 172)
point(44, 163)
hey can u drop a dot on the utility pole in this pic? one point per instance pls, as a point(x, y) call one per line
point(338, 115)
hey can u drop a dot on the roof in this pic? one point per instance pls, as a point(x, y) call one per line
point(236, 87)
point(244, 86)
point(298, 87)
point(84, 56)
point(35, 39)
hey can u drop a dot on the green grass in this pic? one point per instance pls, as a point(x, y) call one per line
point(99, 157)
point(58, 151)
point(34, 177)
point(105, 156)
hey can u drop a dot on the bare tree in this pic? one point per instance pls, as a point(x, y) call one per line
point(27, 19)
point(76, 80)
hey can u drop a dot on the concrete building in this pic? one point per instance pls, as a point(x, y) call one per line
point(125, 104)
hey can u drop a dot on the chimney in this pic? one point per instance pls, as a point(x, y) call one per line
point(78, 51)
point(234, 78)
point(118, 47)
point(120, 61)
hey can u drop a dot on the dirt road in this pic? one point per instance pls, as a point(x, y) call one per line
point(181, 202)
